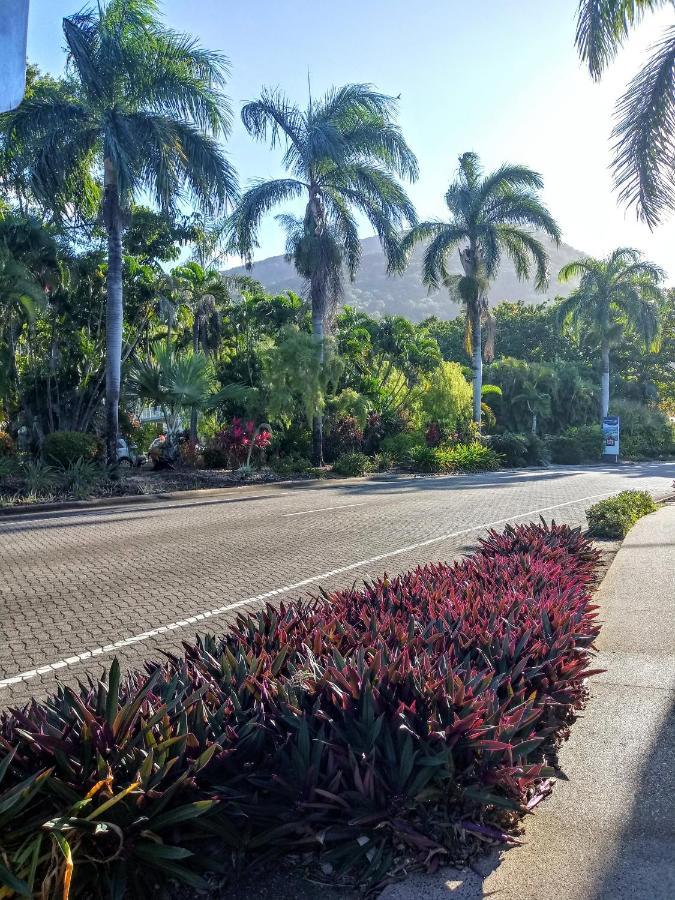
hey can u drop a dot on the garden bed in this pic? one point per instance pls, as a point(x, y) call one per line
point(405, 725)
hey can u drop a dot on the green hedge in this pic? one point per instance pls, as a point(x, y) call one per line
point(577, 445)
point(646, 432)
point(614, 517)
point(353, 464)
point(520, 449)
point(474, 457)
point(63, 448)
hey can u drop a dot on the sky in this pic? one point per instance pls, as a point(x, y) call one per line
point(500, 77)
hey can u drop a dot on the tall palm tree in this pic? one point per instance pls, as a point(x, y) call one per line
point(489, 217)
point(343, 154)
point(144, 106)
point(619, 292)
point(644, 138)
point(202, 290)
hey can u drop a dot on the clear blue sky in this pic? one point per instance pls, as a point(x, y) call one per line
point(496, 76)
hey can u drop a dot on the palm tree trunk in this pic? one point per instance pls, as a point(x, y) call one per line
point(604, 392)
point(317, 423)
point(195, 347)
point(112, 217)
point(477, 365)
point(534, 423)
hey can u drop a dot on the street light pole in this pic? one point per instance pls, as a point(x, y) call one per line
point(13, 33)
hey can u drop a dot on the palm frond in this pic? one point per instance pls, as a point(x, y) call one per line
point(434, 267)
point(258, 200)
point(524, 248)
point(345, 104)
point(510, 176)
point(645, 136)
point(274, 117)
point(576, 269)
point(602, 27)
point(382, 140)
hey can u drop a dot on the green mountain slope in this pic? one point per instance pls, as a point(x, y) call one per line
point(378, 293)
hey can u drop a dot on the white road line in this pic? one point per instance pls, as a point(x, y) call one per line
point(200, 617)
point(308, 512)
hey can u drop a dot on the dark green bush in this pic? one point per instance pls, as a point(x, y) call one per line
point(578, 444)
point(646, 432)
point(614, 517)
point(353, 464)
point(423, 459)
point(400, 446)
point(215, 457)
point(512, 447)
point(63, 448)
point(474, 457)
point(81, 478)
point(293, 464)
point(519, 450)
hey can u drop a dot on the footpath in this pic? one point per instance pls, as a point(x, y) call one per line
point(608, 830)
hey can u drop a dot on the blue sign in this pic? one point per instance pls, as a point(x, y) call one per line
point(610, 435)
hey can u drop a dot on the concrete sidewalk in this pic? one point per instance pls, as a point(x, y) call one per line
point(608, 832)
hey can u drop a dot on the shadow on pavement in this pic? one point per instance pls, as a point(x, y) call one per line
point(642, 864)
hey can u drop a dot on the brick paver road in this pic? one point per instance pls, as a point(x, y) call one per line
point(148, 575)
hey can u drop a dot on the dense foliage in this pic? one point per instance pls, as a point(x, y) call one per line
point(615, 516)
point(195, 348)
point(414, 714)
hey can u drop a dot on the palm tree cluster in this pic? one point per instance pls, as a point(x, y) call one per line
point(142, 112)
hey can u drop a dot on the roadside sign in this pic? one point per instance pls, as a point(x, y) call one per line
point(13, 33)
point(610, 435)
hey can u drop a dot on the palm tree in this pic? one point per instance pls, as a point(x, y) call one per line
point(343, 154)
point(487, 215)
point(644, 139)
point(202, 290)
point(144, 106)
point(619, 292)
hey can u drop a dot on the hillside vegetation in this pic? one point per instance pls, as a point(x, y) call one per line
point(377, 293)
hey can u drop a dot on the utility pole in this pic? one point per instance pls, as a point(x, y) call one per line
point(13, 33)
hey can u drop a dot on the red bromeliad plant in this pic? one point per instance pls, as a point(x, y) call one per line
point(415, 713)
point(238, 440)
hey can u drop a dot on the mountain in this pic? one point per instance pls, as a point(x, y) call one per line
point(379, 294)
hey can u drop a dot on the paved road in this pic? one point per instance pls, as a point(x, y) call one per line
point(78, 587)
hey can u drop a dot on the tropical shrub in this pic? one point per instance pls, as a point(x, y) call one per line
point(578, 444)
point(423, 459)
point(293, 464)
point(369, 726)
point(230, 447)
point(519, 450)
point(343, 436)
point(62, 448)
point(383, 461)
point(215, 457)
point(474, 457)
point(615, 516)
point(40, 478)
point(6, 444)
point(446, 397)
point(400, 446)
point(80, 478)
point(353, 464)
point(646, 432)
point(468, 458)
